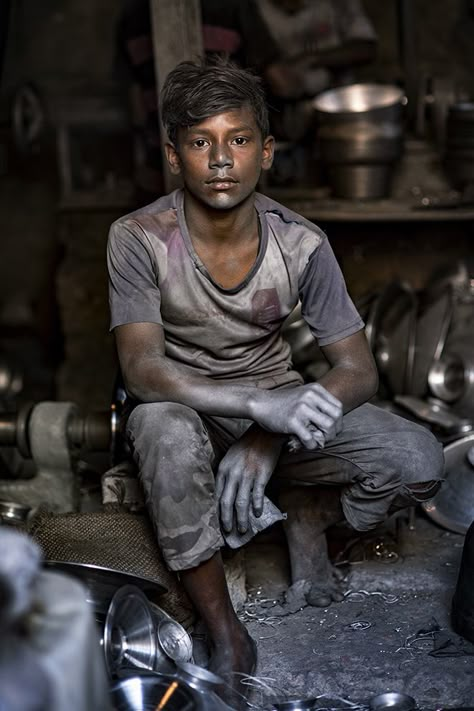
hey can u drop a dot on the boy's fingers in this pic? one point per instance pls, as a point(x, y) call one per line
point(226, 505)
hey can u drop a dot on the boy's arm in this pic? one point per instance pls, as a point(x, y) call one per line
point(353, 377)
point(248, 465)
point(304, 411)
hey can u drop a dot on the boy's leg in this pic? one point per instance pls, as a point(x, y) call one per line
point(175, 458)
point(311, 510)
point(378, 464)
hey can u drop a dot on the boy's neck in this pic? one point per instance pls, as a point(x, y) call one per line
point(208, 225)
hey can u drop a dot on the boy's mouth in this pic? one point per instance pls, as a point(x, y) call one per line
point(221, 179)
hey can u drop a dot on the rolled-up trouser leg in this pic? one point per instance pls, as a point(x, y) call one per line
point(174, 456)
point(383, 462)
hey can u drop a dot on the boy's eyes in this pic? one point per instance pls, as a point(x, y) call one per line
point(199, 143)
point(202, 142)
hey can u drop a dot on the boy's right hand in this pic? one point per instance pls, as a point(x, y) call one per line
point(309, 412)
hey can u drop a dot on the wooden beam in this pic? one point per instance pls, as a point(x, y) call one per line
point(177, 36)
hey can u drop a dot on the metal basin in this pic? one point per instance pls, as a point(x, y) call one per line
point(453, 506)
point(102, 583)
point(358, 98)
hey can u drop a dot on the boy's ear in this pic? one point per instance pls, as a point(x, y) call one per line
point(268, 150)
point(172, 157)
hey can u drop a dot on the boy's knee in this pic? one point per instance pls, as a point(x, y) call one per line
point(423, 477)
point(163, 419)
point(423, 461)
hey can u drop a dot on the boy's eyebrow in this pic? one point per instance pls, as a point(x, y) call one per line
point(233, 129)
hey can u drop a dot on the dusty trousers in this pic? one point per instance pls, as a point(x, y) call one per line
point(374, 461)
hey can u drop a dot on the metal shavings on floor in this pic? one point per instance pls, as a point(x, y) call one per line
point(378, 639)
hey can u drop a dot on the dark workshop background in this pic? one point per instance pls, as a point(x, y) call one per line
point(59, 69)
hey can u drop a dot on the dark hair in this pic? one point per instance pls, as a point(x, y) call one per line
point(194, 91)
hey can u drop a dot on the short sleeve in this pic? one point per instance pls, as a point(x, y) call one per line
point(134, 295)
point(325, 303)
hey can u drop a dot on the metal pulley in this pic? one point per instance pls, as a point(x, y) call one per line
point(90, 431)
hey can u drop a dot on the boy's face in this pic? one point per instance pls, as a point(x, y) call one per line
point(220, 158)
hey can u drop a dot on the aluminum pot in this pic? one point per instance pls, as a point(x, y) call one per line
point(360, 135)
point(459, 153)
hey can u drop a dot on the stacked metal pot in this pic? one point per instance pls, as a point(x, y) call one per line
point(459, 150)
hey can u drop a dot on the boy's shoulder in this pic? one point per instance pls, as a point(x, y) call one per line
point(267, 206)
point(148, 214)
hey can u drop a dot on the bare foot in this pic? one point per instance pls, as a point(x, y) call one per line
point(311, 510)
point(233, 662)
point(328, 583)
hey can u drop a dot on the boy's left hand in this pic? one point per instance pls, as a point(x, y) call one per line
point(243, 474)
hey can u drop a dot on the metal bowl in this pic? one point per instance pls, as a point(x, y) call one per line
point(392, 701)
point(144, 693)
point(198, 678)
point(129, 632)
point(357, 98)
point(14, 514)
point(453, 505)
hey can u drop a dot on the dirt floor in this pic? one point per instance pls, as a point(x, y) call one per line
point(380, 638)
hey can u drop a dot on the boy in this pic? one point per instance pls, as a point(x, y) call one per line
point(200, 283)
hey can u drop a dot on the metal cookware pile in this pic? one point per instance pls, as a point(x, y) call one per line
point(148, 655)
point(423, 344)
point(360, 136)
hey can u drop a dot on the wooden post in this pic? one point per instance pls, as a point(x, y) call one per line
point(177, 36)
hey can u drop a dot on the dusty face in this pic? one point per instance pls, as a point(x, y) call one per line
point(220, 159)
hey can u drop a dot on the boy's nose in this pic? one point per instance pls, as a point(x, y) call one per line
point(220, 157)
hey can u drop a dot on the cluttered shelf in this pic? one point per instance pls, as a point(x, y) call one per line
point(324, 209)
point(420, 193)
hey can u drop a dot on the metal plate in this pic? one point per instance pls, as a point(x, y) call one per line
point(453, 506)
point(390, 330)
point(102, 583)
point(432, 326)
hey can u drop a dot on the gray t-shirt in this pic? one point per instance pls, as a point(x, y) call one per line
point(227, 334)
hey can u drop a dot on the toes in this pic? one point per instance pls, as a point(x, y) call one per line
point(318, 598)
point(322, 596)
